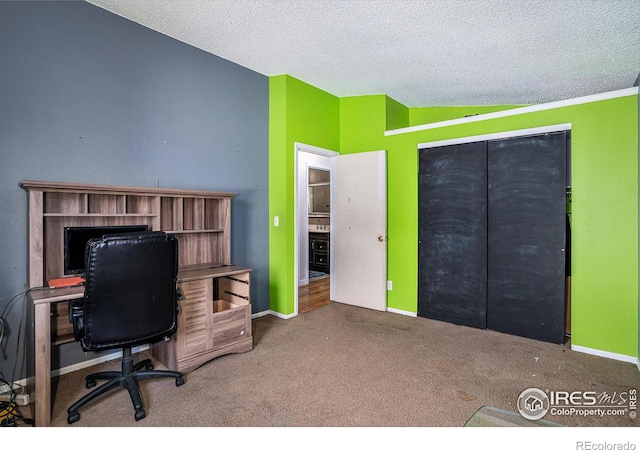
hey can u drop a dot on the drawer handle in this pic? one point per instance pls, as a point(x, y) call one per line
point(242, 333)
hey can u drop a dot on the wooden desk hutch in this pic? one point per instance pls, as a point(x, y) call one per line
point(215, 313)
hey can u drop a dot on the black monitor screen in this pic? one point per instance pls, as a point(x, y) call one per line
point(75, 241)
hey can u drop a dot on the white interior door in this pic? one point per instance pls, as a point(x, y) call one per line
point(360, 224)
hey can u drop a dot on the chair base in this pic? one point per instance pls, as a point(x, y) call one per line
point(128, 378)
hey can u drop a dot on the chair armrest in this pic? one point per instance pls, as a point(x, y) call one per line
point(76, 317)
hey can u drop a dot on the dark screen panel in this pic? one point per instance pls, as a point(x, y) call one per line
point(526, 234)
point(75, 242)
point(453, 234)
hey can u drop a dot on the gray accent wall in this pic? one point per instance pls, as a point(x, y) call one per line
point(87, 96)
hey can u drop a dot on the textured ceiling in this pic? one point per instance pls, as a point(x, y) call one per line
point(419, 52)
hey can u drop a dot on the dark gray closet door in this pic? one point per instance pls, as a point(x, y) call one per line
point(526, 232)
point(452, 257)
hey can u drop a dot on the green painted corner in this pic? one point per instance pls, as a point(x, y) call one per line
point(298, 113)
point(397, 115)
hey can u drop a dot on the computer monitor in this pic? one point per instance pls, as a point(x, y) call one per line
point(75, 242)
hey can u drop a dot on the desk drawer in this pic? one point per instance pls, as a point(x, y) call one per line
point(229, 322)
point(214, 320)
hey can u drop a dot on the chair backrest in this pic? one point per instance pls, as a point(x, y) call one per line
point(130, 290)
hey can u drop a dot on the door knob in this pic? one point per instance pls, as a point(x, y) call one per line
point(380, 238)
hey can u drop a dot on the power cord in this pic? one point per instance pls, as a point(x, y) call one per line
point(9, 305)
point(10, 415)
point(16, 421)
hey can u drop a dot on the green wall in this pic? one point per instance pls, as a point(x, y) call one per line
point(298, 112)
point(604, 204)
point(604, 212)
point(419, 116)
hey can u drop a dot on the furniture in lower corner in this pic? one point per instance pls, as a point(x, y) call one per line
point(214, 317)
point(217, 327)
point(201, 221)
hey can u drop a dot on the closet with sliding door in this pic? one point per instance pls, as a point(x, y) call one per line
point(492, 234)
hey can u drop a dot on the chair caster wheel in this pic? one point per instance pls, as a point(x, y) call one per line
point(179, 381)
point(140, 414)
point(90, 383)
point(74, 417)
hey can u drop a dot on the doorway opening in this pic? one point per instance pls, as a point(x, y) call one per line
point(313, 232)
point(357, 233)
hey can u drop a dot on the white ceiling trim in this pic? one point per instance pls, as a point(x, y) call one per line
point(517, 111)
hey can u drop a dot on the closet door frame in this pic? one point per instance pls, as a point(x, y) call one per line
point(504, 135)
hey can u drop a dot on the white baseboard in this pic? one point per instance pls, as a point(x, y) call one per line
point(605, 354)
point(289, 316)
point(280, 315)
point(402, 312)
point(95, 361)
point(260, 314)
point(29, 382)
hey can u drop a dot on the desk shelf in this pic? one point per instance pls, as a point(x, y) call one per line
point(212, 230)
point(200, 220)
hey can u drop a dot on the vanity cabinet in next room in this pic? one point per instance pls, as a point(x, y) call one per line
point(319, 252)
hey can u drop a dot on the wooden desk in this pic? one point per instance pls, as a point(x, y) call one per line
point(235, 335)
point(201, 220)
point(42, 301)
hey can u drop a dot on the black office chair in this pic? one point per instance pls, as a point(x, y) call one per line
point(130, 299)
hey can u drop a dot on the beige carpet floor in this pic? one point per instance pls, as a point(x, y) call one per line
point(343, 366)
